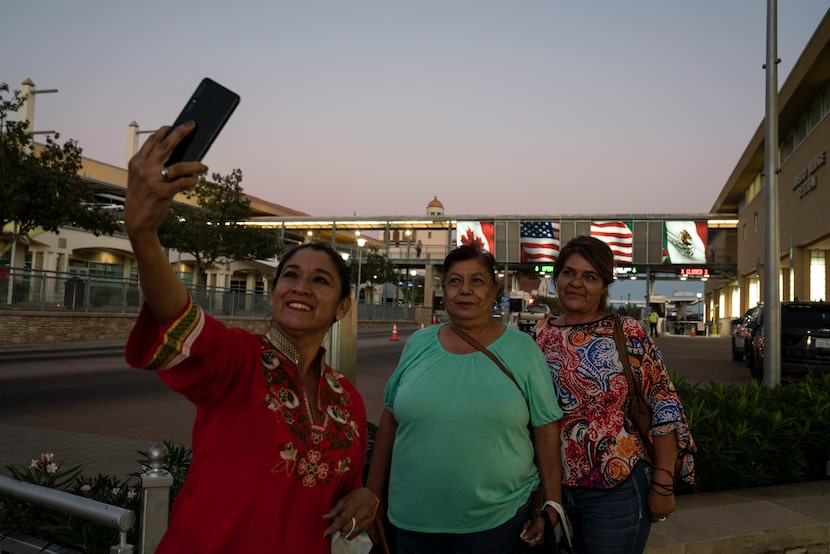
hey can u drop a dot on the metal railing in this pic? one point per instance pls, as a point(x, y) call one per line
point(39, 290)
point(155, 482)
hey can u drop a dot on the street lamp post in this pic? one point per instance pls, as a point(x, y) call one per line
point(361, 242)
point(408, 234)
point(412, 274)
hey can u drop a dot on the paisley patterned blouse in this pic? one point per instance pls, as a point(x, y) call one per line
point(600, 444)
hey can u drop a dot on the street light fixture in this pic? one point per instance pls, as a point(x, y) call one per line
point(361, 242)
point(412, 274)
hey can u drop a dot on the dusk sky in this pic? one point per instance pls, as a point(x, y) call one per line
point(373, 108)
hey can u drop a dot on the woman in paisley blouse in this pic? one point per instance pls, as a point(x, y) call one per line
point(612, 491)
point(279, 438)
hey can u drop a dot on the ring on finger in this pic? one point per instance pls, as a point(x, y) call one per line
point(352, 530)
point(165, 174)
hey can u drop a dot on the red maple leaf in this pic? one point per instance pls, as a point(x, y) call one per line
point(469, 237)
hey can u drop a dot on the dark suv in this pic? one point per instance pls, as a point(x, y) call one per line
point(805, 340)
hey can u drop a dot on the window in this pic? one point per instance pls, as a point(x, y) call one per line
point(817, 275)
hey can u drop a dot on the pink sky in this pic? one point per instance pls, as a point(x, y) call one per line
point(373, 108)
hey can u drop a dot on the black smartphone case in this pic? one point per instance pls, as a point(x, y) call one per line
point(210, 106)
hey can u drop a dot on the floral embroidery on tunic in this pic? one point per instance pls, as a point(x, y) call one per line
point(319, 451)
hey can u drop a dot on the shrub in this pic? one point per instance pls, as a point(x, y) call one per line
point(20, 518)
point(750, 435)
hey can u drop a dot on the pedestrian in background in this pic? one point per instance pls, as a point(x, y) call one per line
point(653, 318)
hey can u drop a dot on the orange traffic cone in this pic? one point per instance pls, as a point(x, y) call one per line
point(422, 325)
point(693, 333)
point(434, 321)
point(394, 332)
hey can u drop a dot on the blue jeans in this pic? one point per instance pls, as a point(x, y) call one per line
point(612, 521)
point(499, 540)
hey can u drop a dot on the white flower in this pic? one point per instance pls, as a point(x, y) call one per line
point(86, 488)
point(131, 493)
point(34, 464)
point(116, 491)
point(51, 467)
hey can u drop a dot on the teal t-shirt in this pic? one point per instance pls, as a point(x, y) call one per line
point(462, 461)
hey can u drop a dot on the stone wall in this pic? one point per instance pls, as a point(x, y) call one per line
point(31, 328)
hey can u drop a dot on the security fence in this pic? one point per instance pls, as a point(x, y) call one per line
point(36, 290)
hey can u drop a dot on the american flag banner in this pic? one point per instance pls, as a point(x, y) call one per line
point(539, 241)
point(617, 235)
point(481, 234)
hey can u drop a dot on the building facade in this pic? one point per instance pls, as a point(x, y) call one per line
point(803, 194)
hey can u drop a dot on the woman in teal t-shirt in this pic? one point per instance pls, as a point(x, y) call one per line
point(462, 469)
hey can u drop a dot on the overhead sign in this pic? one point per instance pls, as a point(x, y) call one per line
point(693, 272)
point(625, 271)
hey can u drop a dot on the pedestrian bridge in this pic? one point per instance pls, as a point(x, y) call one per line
point(655, 246)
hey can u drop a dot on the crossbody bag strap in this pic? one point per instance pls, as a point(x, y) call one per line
point(483, 349)
point(623, 351)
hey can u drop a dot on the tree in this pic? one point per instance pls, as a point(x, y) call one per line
point(375, 269)
point(213, 231)
point(40, 185)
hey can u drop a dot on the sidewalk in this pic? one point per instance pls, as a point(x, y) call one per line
point(792, 519)
point(784, 518)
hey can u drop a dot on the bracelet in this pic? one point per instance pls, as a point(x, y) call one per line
point(662, 486)
point(670, 493)
point(375, 511)
point(671, 474)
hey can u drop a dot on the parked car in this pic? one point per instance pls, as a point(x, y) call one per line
point(532, 315)
point(805, 340)
point(741, 336)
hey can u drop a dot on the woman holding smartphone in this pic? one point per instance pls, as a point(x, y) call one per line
point(279, 439)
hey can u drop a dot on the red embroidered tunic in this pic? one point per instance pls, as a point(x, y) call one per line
point(263, 472)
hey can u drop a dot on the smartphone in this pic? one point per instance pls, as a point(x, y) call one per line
point(210, 107)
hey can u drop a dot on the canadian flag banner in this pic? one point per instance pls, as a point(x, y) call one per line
point(618, 236)
point(481, 234)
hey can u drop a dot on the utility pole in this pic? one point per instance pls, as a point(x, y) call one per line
point(772, 267)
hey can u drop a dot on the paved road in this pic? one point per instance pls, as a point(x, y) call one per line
point(95, 395)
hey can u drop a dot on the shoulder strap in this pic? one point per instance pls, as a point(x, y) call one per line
point(475, 344)
point(623, 351)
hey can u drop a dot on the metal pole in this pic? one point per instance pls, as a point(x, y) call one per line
point(772, 306)
point(155, 504)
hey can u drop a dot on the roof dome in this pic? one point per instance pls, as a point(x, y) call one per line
point(435, 203)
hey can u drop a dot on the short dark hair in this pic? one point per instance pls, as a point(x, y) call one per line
point(597, 253)
point(467, 252)
point(344, 270)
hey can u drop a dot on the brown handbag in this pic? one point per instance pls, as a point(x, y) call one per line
point(640, 411)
